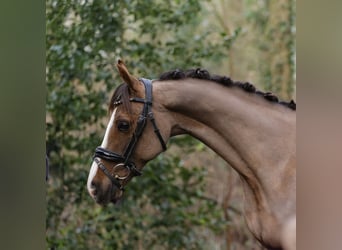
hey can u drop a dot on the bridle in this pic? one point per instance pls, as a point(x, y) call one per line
point(124, 161)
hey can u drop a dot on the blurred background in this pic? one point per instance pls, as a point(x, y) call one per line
point(188, 198)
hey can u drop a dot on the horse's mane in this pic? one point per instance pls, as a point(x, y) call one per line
point(224, 80)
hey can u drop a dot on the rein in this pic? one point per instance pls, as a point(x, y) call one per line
point(124, 161)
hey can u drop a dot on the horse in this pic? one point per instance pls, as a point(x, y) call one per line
point(253, 131)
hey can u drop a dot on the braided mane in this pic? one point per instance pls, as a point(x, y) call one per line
point(224, 80)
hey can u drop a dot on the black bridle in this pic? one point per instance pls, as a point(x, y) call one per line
point(125, 159)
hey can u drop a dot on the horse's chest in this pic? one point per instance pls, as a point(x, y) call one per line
point(265, 228)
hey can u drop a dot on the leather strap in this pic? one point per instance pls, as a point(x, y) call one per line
point(109, 175)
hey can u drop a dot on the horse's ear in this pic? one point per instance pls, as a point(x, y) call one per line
point(132, 82)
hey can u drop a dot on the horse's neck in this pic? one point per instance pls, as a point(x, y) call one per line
point(217, 114)
point(254, 136)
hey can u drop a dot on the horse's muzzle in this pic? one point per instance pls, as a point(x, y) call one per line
point(104, 195)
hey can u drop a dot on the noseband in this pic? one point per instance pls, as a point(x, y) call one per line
point(125, 159)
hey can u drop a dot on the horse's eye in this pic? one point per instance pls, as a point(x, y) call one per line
point(123, 126)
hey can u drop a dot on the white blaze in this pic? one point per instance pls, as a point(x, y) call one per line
point(109, 126)
point(93, 169)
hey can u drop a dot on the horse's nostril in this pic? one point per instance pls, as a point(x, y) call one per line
point(93, 188)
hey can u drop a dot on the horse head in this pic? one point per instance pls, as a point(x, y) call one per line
point(132, 138)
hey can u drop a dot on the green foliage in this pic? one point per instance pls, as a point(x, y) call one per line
point(277, 32)
point(166, 208)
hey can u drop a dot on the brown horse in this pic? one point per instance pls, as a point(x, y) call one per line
point(252, 131)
